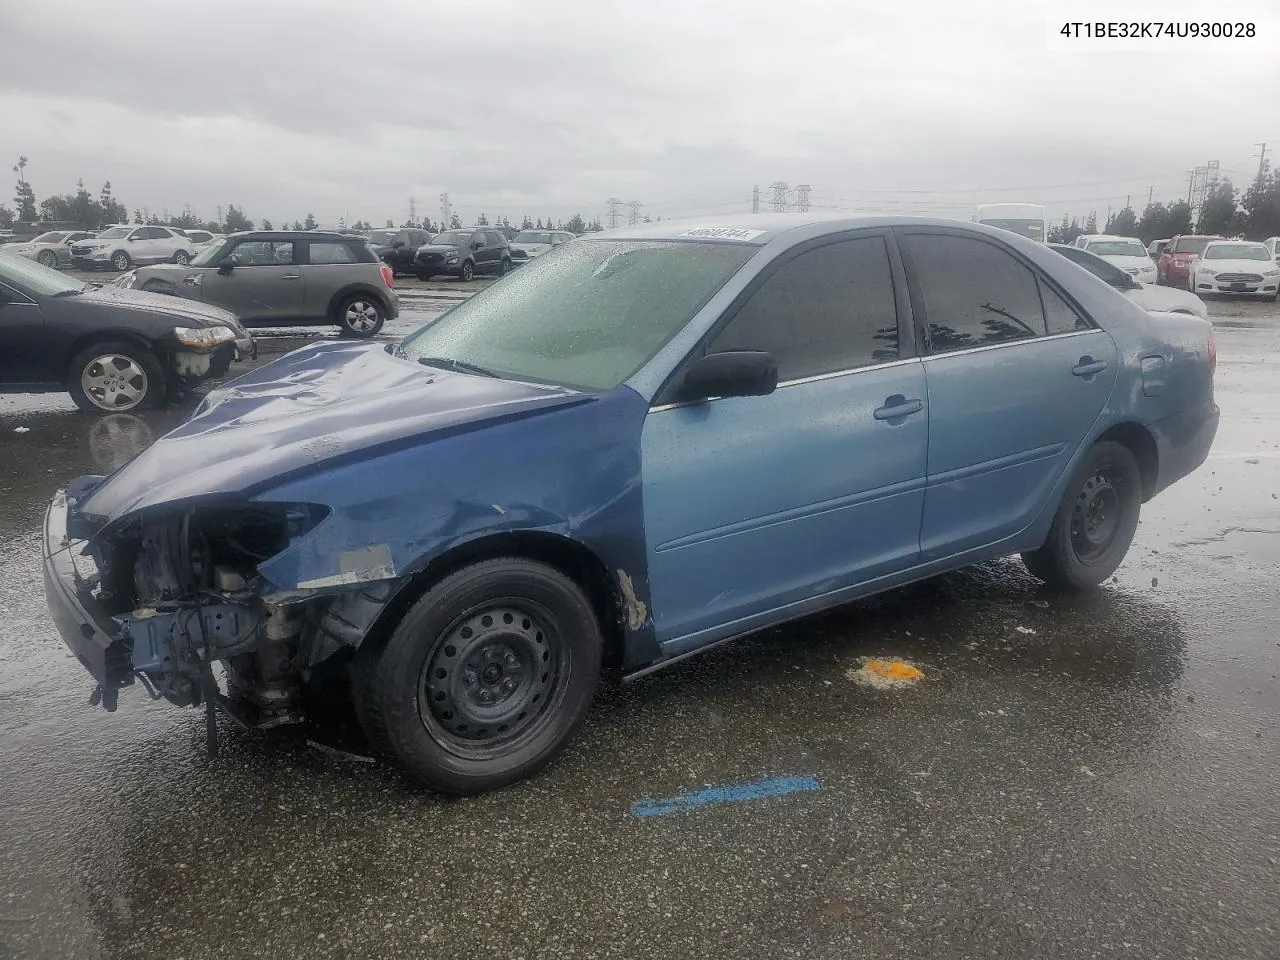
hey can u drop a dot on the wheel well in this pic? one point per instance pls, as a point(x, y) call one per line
point(560, 553)
point(1143, 447)
point(336, 300)
point(113, 336)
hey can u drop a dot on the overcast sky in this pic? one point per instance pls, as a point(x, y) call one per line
point(549, 107)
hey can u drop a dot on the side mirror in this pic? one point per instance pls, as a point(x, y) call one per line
point(733, 373)
point(225, 267)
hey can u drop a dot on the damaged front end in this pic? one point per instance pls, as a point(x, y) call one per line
point(164, 596)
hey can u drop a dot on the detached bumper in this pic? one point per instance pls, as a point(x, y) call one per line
point(88, 632)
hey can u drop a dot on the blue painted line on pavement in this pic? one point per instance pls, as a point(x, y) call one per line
point(773, 787)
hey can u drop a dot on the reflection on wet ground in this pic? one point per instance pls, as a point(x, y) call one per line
point(1074, 776)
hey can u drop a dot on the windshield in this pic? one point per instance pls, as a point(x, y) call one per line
point(50, 238)
point(1189, 245)
point(382, 236)
point(1236, 251)
point(1028, 228)
point(1117, 248)
point(115, 233)
point(211, 254)
point(532, 236)
point(585, 315)
point(34, 278)
point(453, 238)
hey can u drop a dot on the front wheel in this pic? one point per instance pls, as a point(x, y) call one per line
point(1095, 522)
point(504, 266)
point(182, 258)
point(120, 260)
point(47, 258)
point(361, 316)
point(485, 679)
point(467, 272)
point(115, 378)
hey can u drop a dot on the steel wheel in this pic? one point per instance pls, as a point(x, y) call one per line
point(490, 679)
point(114, 381)
point(48, 258)
point(1095, 516)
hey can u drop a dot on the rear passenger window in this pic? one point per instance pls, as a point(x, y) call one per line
point(825, 310)
point(974, 293)
point(1059, 317)
point(322, 253)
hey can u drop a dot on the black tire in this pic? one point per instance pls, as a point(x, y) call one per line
point(504, 266)
point(361, 315)
point(1095, 522)
point(121, 261)
point(182, 258)
point(466, 271)
point(511, 630)
point(47, 258)
point(116, 377)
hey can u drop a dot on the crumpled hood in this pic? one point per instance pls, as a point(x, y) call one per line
point(188, 311)
point(313, 405)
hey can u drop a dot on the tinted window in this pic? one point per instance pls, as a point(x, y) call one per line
point(494, 239)
point(825, 310)
point(158, 233)
point(262, 253)
point(1104, 271)
point(331, 252)
point(1189, 245)
point(974, 293)
point(1059, 317)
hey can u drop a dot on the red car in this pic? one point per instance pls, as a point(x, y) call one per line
point(1171, 268)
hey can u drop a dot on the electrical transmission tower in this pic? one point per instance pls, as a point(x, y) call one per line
point(413, 211)
point(634, 216)
point(1263, 163)
point(755, 199)
point(802, 197)
point(446, 211)
point(779, 196)
point(1202, 179)
point(615, 206)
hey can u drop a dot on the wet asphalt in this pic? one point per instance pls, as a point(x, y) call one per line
point(1082, 776)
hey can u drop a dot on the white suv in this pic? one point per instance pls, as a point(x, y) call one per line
point(125, 246)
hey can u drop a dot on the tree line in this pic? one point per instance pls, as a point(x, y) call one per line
point(1255, 214)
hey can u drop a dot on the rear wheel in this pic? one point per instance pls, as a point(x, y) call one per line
point(115, 377)
point(1095, 522)
point(486, 677)
point(467, 271)
point(47, 258)
point(361, 316)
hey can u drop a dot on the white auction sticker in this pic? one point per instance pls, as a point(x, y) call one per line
point(722, 233)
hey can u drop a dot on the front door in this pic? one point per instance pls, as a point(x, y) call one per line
point(756, 503)
point(25, 354)
point(1016, 379)
point(264, 285)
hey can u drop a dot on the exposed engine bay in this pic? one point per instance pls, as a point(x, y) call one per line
point(186, 594)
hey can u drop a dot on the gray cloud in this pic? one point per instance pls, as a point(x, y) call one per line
point(514, 107)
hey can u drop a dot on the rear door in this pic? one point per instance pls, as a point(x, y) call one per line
point(330, 266)
point(264, 285)
point(1016, 378)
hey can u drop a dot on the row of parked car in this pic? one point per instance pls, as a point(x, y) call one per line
point(1199, 263)
point(461, 253)
point(118, 247)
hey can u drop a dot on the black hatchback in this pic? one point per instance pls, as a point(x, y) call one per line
point(464, 253)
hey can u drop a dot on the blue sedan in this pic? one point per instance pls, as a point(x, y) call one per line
point(645, 442)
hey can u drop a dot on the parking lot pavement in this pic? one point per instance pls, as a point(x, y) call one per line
point(1070, 776)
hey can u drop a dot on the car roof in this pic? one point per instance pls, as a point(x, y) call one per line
point(1235, 243)
point(758, 229)
point(1109, 236)
point(294, 235)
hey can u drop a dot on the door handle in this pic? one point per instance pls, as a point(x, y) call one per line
point(1086, 366)
point(291, 276)
point(897, 407)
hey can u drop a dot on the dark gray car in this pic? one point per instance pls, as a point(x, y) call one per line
point(269, 278)
point(464, 253)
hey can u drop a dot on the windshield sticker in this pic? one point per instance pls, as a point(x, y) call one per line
point(722, 233)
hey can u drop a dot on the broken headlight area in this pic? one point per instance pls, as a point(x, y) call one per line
point(185, 592)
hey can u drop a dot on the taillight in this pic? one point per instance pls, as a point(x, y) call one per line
point(388, 277)
point(1213, 354)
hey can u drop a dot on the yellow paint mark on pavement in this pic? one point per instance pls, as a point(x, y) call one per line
point(885, 673)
